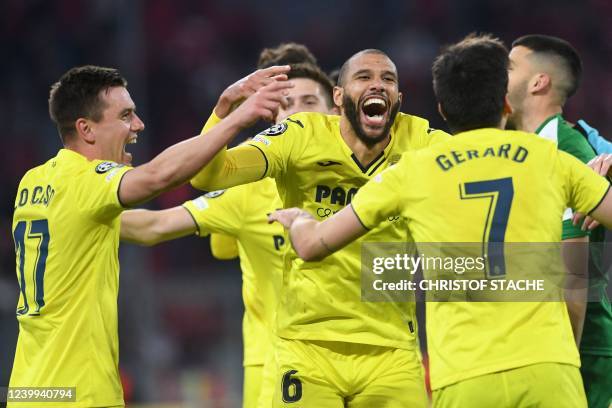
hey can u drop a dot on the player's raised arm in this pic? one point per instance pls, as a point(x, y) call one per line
point(145, 227)
point(178, 163)
point(314, 240)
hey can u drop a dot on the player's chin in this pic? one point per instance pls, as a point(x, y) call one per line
point(126, 158)
point(374, 131)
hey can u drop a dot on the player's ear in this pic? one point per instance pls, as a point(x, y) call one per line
point(399, 97)
point(539, 82)
point(338, 95)
point(84, 130)
point(507, 107)
point(441, 111)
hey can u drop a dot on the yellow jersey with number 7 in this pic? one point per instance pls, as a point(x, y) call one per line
point(494, 186)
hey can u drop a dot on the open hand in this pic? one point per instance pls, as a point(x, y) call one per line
point(240, 90)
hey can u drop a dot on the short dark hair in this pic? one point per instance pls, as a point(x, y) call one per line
point(306, 70)
point(286, 54)
point(77, 95)
point(470, 80)
point(345, 66)
point(554, 46)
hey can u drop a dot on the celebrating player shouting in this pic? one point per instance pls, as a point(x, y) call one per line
point(482, 354)
point(335, 349)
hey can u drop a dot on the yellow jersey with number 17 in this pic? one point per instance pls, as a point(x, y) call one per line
point(514, 186)
point(66, 231)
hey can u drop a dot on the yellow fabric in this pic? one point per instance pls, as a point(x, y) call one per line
point(223, 246)
point(212, 120)
point(314, 169)
point(539, 385)
point(251, 387)
point(241, 212)
point(474, 338)
point(71, 340)
point(240, 165)
point(336, 374)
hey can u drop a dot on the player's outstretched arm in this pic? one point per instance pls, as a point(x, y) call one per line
point(145, 227)
point(314, 240)
point(177, 164)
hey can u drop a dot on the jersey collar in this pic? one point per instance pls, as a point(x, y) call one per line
point(371, 167)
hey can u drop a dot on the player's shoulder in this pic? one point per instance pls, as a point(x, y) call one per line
point(298, 129)
point(408, 121)
point(571, 140)
point(412, 126)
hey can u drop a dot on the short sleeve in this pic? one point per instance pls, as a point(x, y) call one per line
point(381, 197)
point(584, 188)
point(219, 211)
point(97, 193)
point(278, 143)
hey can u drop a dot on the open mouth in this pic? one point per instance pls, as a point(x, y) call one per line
point(374, 111)
point(127, 157)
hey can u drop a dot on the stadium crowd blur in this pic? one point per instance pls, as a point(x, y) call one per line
point(180, 311)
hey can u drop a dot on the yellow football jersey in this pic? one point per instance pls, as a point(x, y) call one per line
point(66, 232)
point(315, 169)
point(241, 212)
point(513, 186)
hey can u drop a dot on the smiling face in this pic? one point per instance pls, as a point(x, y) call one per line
point(118, 126)
point(369, 96)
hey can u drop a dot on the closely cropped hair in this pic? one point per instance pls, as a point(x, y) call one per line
point(345, 66)
point(306, 70)
point(77, 95)
point(561, 49)
point(470, 80)
point(286, 54)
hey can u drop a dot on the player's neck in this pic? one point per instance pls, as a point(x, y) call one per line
point(83, 149)
point(537, 114)
point(363, 152)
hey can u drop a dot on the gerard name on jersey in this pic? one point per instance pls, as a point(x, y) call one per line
point(507, 151)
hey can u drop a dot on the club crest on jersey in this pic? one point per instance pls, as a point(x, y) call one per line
point(275, 130)
point(214, 194)
point(106, 166)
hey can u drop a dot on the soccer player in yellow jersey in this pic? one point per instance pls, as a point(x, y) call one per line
point(240, 213)
point(482, 354)
point(66, 230)
point(335, 350)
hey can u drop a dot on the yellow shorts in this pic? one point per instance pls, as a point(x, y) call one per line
point(252, 385)
point(326, 374)
point(266, 396)
point(538, 385)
